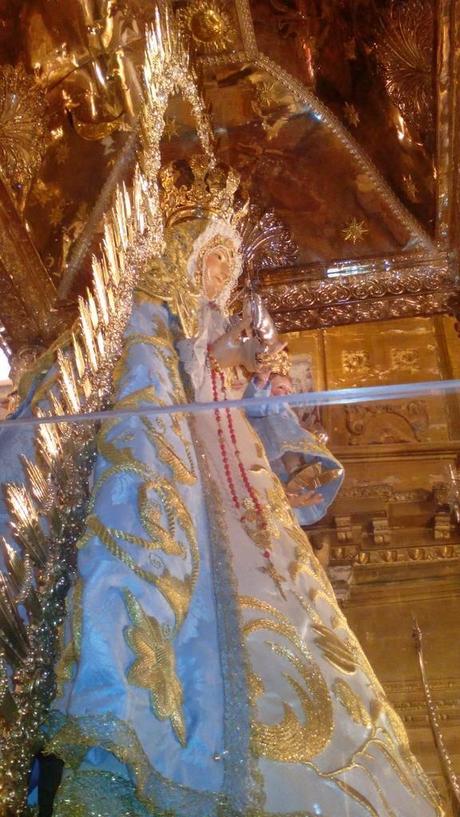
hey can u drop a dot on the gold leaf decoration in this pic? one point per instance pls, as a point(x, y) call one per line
point(36, 479)
point(334, 650)
point(13, 636)
point(26, 523)
point(167, 455)
point(292, 740)
point(155, 666)
point(352, 703)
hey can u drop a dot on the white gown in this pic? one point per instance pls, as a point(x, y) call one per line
point(208, 669)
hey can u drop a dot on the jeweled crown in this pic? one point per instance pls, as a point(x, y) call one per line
point(207, 191)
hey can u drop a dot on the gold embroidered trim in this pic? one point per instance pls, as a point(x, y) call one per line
point(71, 651)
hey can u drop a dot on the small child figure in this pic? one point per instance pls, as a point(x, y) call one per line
point(310, 473)
point(282, 384)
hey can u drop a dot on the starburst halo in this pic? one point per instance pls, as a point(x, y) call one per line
point(22, 125)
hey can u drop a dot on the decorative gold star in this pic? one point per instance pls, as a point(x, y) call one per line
point(411, 188)
point(265, 93)
point(56, 214)
point(350, 49)
point(355, 231)
point(62, 153)
point(351, 114)
point(155, 666)
point(170, 129)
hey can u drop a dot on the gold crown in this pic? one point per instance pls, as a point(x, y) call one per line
point(208, 191)
point(278, 362)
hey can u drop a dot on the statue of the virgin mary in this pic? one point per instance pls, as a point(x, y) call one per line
point(207, 669)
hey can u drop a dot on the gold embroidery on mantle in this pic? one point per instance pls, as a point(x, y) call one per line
point(155, 666)
point(165, 350)
point(176, 591)
point(270, 570)
point(167, 454)
point(335, 650)
point(293, 740)
point(287, 741)
point(261, 529)
point(352, 703)
point(169, 529)
point(150, 514)
point(282, 513)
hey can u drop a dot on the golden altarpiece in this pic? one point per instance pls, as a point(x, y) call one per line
point(341, 118)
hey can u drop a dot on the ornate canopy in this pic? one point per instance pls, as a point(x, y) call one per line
point(339, 117)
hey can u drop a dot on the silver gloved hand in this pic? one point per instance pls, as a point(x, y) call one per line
point(232, 349)
point(261, 322)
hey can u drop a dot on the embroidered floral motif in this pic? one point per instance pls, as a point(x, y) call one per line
point(155, 666)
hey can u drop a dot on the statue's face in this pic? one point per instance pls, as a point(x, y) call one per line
point(217, 269)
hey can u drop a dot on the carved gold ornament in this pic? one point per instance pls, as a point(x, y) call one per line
point(266, 241)
point(405, 52)
point(208, 26)
point(22, 126)
point(423, 288)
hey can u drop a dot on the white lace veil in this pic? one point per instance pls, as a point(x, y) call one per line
point(193, 352)
point(209, 237)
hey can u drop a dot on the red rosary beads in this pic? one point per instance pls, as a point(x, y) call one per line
point(221, 438)
point(215, 370)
